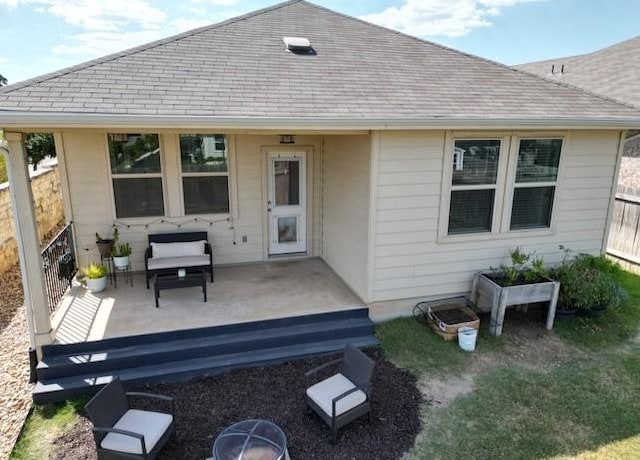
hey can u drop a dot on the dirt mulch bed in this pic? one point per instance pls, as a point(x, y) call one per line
point(206, 406)
point(11, 285)
point(12, 295)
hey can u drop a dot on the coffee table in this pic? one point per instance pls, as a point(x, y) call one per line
point(173, 281)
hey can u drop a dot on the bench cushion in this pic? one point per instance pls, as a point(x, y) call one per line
point(322, 393)
point(178, 262)
point(152, 425)
point(171, 250)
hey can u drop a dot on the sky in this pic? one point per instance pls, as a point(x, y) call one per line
point(40, 36)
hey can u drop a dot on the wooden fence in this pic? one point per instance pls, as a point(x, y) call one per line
point(624, 237)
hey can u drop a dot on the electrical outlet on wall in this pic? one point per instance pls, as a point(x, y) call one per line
point(244, 238)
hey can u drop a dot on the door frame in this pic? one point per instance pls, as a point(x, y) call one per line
point(265, 151)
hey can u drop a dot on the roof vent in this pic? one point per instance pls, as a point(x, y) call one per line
point(298, 45)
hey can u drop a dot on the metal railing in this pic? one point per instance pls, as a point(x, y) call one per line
point(59, 265)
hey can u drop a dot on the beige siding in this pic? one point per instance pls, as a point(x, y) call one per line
point(346, 208)
point(410, 262)
point(92, 203)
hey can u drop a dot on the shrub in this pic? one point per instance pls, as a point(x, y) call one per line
point(588, 281)
point(3, 170)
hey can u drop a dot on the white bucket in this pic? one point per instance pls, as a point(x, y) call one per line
point(467, 337)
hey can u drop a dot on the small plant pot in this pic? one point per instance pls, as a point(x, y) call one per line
point(593, 312)
point(121, 262)
point(105, 247)
point(96, 284)
point(568, 314)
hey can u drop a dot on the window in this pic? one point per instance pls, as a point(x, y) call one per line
point(136, 174)
point(205, 173)
point(473, 185)
point(535, 183)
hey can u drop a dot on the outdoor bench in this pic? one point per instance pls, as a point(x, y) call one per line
point(169, 252)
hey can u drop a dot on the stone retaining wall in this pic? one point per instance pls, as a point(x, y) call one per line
point(45, 185)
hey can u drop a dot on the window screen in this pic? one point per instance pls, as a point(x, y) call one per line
point(473, 185)
point(535, 183)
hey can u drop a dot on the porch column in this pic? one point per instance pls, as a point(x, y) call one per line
point(26, 228)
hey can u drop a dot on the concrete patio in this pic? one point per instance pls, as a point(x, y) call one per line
point(240, 293)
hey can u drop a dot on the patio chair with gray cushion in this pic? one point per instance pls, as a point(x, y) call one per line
point(345, 396)
point(121, 432)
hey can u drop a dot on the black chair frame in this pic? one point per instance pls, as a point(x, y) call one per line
point(358, 368)
point(108, 406)
point(183, 237)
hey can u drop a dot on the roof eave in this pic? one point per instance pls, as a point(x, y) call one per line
point(32, 120)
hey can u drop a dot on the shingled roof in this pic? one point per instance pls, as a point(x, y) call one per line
point(613, 72)
point(240, 69)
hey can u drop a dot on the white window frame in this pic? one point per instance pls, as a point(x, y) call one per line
point(112, 176)
point(230, 142)
point(448, 187)
point(505, 185)
point(512, 185)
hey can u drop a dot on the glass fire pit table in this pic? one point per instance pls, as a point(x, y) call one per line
point(251, 440)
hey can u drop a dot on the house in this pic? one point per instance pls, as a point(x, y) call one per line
point(296, 131)
point(611, 72)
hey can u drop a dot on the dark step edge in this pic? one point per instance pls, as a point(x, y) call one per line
point(183, 344)
point(196, 351)
point(182, 334)
point(42, 395)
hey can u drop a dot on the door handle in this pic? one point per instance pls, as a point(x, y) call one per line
point(268, 206)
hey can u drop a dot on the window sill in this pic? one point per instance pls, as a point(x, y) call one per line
point(508, 235)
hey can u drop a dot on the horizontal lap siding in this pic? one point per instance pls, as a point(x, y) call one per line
point(409, 261)
point(87, 164)
point(346, 208)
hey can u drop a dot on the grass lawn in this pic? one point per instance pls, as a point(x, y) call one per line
point(569, 394)
point(43, 426)
point(587, 407)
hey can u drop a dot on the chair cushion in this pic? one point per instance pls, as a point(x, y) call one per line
point(183, 249)
point(178, 262)
point(152, 425)
point(322, 393)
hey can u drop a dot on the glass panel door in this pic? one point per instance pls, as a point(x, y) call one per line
point(286, 203)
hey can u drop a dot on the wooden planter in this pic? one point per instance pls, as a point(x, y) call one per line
point(489, 296)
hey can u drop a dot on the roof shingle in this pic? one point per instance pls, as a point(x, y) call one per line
point(240, 68)
point(613, 71)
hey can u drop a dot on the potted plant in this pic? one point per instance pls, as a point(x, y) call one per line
point(120, 254)
point(105, 245)
point(525, 280)
point(600, 290)
point(587, 285)
point(96, 277)
point(572, 280)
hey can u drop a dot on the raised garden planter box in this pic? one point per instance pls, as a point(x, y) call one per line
point(489, 296)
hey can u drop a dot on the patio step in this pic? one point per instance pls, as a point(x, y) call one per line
point(65, 365)
point(178, 357)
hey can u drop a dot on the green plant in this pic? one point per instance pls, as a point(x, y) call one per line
point(95, 271)
point(121, 250)
point(39, 146)
point(3, 170)
point(525, 267)
point(114, 237)
point(588, 281)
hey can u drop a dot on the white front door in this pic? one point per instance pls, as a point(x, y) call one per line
point(286, 203)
